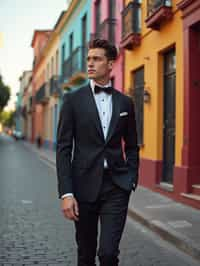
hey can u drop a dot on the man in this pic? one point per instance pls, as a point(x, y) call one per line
point(95, 176)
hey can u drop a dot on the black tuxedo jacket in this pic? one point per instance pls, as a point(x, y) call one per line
point(81, 147)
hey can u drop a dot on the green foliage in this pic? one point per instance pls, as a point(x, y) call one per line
point(4, 94)
point(7, 118)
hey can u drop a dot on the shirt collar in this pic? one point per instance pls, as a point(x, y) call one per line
point(93, 83)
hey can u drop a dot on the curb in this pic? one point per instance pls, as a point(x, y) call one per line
point(166, 235)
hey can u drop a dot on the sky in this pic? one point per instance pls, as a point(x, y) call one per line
point(18, 20)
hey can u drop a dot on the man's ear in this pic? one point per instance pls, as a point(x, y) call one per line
point(110, 64)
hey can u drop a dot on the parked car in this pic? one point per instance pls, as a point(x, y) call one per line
point(18, 135)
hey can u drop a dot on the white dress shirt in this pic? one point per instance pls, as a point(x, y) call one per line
point(104, 106)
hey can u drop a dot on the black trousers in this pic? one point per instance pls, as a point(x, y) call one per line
point(111, 210)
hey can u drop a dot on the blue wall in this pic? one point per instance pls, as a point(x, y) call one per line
point(74, 24)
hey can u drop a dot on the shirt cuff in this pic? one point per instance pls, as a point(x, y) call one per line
point(67, 195)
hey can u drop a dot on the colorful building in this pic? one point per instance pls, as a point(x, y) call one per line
point(29, 101)
point(189, 170)
point(74, 32)
point(20, 105)
point(107, 24)
point(152, 36)
point(24, 83)
point(51, 105)
point(39, 86)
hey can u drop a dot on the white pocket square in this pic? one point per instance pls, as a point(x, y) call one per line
point(123, 114)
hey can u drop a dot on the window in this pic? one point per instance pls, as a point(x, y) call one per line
point(98, 15)
point(112, 8)
point(84, 30)
point(71, 40)
point(56, 67)
point(63, 58)
point(63, 53)
point(84, 41)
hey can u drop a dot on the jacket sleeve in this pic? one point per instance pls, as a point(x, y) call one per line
point(131, 145)
point(64, 147)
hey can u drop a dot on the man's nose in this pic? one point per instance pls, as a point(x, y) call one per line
point(90, 64)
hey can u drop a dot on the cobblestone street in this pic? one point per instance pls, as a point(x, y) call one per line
point(33, 231)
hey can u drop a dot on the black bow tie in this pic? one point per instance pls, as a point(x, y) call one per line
point(98, 89)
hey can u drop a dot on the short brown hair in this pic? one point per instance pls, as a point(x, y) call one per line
point(111, 50)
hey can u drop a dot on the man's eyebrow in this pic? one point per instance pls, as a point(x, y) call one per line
point(94, 57)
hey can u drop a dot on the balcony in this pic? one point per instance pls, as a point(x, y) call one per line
point(42, 95)
point(106, 31)
point(55, 89)
point(158, 12)
point(74, 68)
point(131, 25)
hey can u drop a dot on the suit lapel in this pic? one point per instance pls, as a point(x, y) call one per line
point(94, 114)
point(115, 114)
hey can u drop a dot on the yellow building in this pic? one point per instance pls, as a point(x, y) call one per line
point(153, 41)
point(48, 91)
point(52, 106)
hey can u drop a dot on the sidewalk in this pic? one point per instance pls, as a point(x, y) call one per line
point(173, 221)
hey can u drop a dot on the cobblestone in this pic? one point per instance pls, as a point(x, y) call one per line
point(33, 231)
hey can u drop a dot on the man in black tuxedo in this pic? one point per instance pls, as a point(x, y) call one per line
point(97, 159)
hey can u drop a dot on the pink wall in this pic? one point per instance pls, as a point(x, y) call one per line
point(118, 71)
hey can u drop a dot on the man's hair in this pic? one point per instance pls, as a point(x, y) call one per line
point(110, 50)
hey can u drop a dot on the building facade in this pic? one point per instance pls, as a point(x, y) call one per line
point(51, 106)
point(39, 86)
point(189, 170)
point(74, 36)
point(107, 24)
point(21, 110)
point(152, 36)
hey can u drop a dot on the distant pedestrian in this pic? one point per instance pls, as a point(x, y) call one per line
point(39, 141)
point(96, 183)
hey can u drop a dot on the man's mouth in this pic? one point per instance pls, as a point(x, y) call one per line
point(90, 71)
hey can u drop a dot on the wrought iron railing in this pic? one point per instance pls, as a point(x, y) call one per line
point(131, 19)
point(75, 63)
point(106, 31)
point(42, 95)
point(154, 5)
point(55, 88)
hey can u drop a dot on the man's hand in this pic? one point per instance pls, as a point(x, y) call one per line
point(69, 208)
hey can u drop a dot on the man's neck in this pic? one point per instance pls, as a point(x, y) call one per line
point(102, 82)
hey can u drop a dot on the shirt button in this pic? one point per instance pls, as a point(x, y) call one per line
point(103, 113)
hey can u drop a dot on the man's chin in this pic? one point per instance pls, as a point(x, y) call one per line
point(91, 76)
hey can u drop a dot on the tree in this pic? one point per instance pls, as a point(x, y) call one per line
point(7, 118)
point(4, 94)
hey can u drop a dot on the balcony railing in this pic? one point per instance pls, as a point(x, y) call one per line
point(106, 30)
point(154, 5)
point(75, 63)
point(158, 11)
point(131, 25)
point(55, 88)
point(42, 95)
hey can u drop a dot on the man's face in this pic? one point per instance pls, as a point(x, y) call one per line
point(98, 65)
